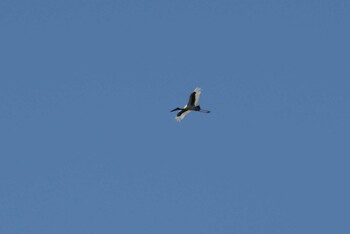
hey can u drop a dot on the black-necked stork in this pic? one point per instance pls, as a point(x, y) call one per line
point(191, 105)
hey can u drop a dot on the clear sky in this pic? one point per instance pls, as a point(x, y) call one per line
point(88, 145)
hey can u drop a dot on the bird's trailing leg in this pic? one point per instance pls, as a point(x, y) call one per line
point(204, 111)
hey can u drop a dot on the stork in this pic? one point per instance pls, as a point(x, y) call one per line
point(191, 105)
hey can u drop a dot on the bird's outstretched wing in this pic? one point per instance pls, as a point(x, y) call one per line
point(181, 115)
point(194, 97)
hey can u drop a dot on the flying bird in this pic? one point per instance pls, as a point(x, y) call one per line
point(191, 105)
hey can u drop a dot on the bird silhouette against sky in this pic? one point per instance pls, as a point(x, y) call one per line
point(191, 105)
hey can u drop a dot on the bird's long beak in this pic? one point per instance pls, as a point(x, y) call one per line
point(177, 108)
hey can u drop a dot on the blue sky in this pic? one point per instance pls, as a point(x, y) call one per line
point(88, 144)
